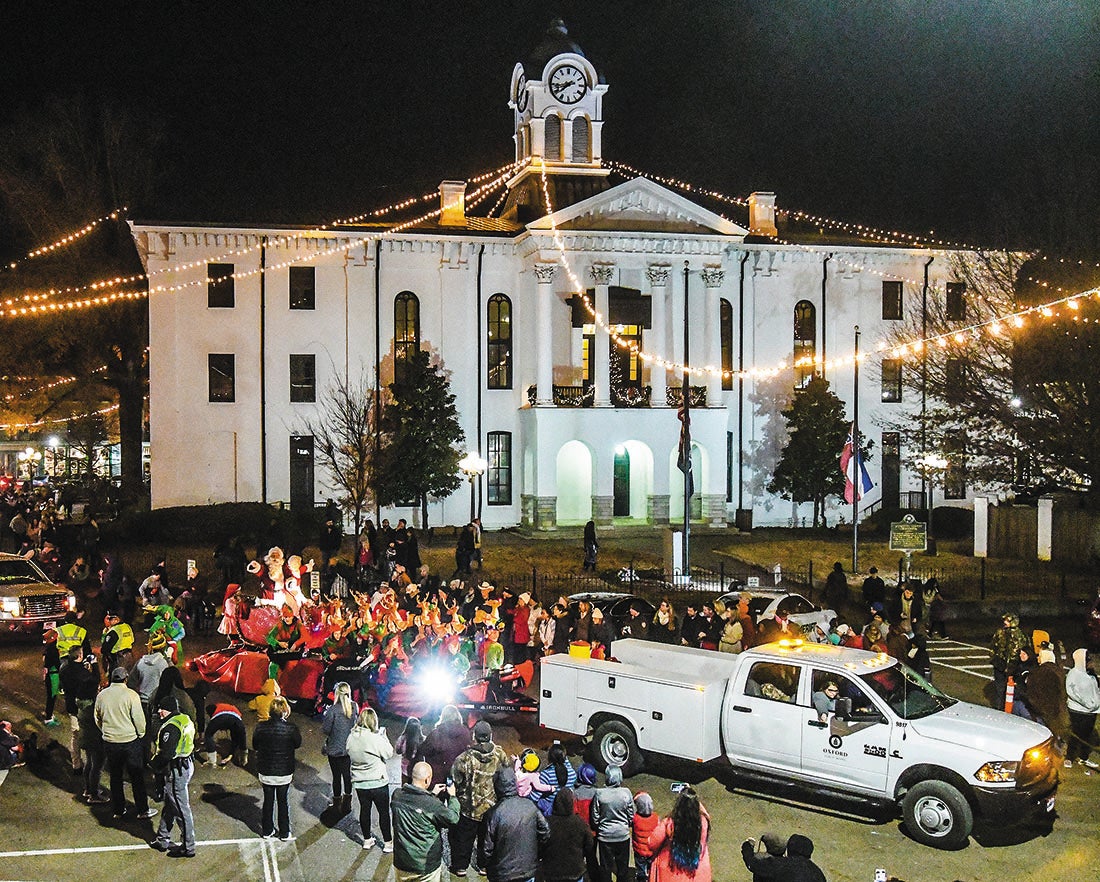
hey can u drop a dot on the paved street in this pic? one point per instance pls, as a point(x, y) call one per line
point(48, 835)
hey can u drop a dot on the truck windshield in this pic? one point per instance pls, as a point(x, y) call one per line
point(909, 695)
point(19, 572)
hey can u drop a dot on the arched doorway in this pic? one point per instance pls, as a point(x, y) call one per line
point(574, 480)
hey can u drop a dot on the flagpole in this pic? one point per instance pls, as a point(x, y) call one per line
point(857, 474)
point(687, 438)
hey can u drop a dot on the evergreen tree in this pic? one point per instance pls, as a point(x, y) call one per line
point(809, 468)
point(420, 437)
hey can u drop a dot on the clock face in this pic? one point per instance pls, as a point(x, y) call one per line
point(568, 84)
point(521, 93)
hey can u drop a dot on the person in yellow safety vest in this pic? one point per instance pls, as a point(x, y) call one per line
point(173, 767)
point(117, 645)
point(70, 634)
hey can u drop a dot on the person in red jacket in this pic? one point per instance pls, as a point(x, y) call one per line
point(584, 792)
point(645, 821)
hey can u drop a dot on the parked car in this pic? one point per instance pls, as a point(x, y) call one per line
point(615, 606)
point(28, 599)
point(766, 601)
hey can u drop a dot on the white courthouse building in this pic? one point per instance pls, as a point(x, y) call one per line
point(251, 325)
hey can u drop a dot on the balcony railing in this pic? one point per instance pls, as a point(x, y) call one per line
point(674, 396)
point(585, 396)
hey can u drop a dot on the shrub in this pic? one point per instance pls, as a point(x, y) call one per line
point(210, 524)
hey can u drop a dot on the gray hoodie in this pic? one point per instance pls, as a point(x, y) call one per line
point(145, 677)
point(613, 809)
point(1082, 690)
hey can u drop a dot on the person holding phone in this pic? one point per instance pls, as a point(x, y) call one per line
point(420, 814)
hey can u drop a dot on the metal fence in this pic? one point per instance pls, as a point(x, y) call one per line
point(653, 583)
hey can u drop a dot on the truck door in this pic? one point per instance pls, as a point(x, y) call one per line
point(853, 751)
point(763, 722)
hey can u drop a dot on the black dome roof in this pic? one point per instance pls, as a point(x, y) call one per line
point(554, 42)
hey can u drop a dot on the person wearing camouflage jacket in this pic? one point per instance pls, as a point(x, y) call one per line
point(473, 773)
point(1005, 648)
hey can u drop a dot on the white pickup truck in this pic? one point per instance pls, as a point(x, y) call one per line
point(879, 731)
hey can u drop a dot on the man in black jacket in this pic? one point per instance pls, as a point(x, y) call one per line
point(515, 831)
point(418, 819)
point(795, 866)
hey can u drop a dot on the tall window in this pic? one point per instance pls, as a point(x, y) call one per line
point(221, 377)
point(891, 301)
point(219, 285)
point(727, 344)
point(954, 479)
point(891, 379)
point(956, 301)
point(580, 139)
point(406, 326)
point(303, 378)
point(552, 139)
point(805, 342)
point(954, 378)
point(499, 473)
point(500, 342)
point(303, 287)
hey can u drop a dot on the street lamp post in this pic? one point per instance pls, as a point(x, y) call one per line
point(932, 464)
point(30, 457)
point(473, 467)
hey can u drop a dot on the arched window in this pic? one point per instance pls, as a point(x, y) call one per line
point(805, 342)
point(727, 344)
point(499, 348)
point(581, 143)
point(551, 150)
point(406, 326)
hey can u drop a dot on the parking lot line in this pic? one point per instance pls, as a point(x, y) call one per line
point(103, 849)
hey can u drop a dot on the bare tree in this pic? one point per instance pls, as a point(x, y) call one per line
point(1016, 403)
point(343, 435)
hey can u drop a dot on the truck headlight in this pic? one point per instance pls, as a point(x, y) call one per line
point(438, 685)
point(9, 606)
point(997, 772)
point(70, 601)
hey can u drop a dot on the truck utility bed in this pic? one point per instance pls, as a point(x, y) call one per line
point(672, 694)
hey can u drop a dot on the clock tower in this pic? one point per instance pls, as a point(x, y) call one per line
point(557, 99)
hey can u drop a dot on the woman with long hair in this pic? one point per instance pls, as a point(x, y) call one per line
point(408, 746)
point(275, 741)
point(591, 546)
point(369, 748)
point(556, 774)
point(679, 844)
point(337, 723)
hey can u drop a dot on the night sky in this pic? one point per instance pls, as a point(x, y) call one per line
point(914, 114)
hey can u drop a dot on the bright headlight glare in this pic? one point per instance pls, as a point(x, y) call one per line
point(9, 605)
point(71, 600)
point(997, 772)
point(438, 685)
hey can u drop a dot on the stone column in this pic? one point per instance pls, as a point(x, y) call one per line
point(602, 274)
point(1045, 531)
point(544, 339)
point(712, 331)
point(658, 378)
point(981, 526)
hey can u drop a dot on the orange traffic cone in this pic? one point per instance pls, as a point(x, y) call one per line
point(1010, 692)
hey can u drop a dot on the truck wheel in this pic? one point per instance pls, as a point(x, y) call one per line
point(614, 744)
point(937, 814)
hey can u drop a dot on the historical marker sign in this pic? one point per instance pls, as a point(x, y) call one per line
point(908, 535)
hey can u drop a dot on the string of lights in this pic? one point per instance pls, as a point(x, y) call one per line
point(503, 171)
point(474, 199)
point(991, 327)
point(67, 239)
point(37, 424)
